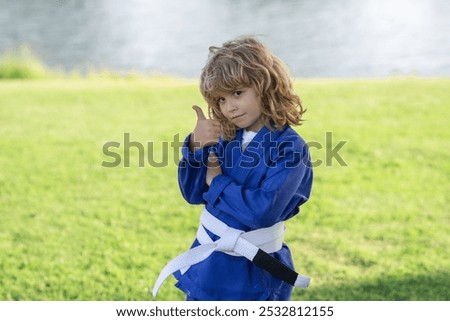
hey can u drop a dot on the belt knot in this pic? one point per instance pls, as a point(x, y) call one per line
point(228, 240)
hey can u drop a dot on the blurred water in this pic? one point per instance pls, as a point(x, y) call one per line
point(316, 38)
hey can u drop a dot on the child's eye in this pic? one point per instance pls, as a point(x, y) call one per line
point(220, 100)
point(237, 92)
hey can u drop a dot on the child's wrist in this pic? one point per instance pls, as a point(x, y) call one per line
point(193, 146)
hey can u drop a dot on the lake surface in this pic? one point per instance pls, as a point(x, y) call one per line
point(316, 38)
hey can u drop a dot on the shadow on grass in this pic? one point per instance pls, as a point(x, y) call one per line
point(434, 287)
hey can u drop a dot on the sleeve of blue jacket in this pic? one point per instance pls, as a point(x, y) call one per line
point(192, 173)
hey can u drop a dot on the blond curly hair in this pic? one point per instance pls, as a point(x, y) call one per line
point(246, 62)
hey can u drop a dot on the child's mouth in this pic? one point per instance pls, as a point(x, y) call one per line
point(237, 116)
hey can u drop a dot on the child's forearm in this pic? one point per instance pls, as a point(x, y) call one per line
point(213, 168)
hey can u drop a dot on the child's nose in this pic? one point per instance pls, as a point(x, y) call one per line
point(230, 107)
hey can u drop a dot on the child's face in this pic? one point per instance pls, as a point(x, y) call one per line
point(242, 107)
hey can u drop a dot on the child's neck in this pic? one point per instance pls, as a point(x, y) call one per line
point(255, 127)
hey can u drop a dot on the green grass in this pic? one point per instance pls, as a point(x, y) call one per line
point(376, 229)
point(22, 64)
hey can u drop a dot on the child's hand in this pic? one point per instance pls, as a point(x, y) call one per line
point(213, 168)
point(206, 131)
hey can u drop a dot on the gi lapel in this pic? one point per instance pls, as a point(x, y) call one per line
point(256, 154)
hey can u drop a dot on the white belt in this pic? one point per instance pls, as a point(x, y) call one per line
point(232, 242)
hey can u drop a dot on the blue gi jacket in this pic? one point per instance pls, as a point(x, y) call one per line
point(263, 185)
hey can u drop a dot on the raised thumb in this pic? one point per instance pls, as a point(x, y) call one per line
point(199, 111)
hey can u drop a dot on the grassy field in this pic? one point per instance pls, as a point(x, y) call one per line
point(377, 228)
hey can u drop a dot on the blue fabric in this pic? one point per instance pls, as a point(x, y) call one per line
point(259, 187)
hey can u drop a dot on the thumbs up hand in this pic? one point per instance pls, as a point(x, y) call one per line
point(206, 131)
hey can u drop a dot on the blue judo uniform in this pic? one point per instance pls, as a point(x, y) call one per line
point(260, 186)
